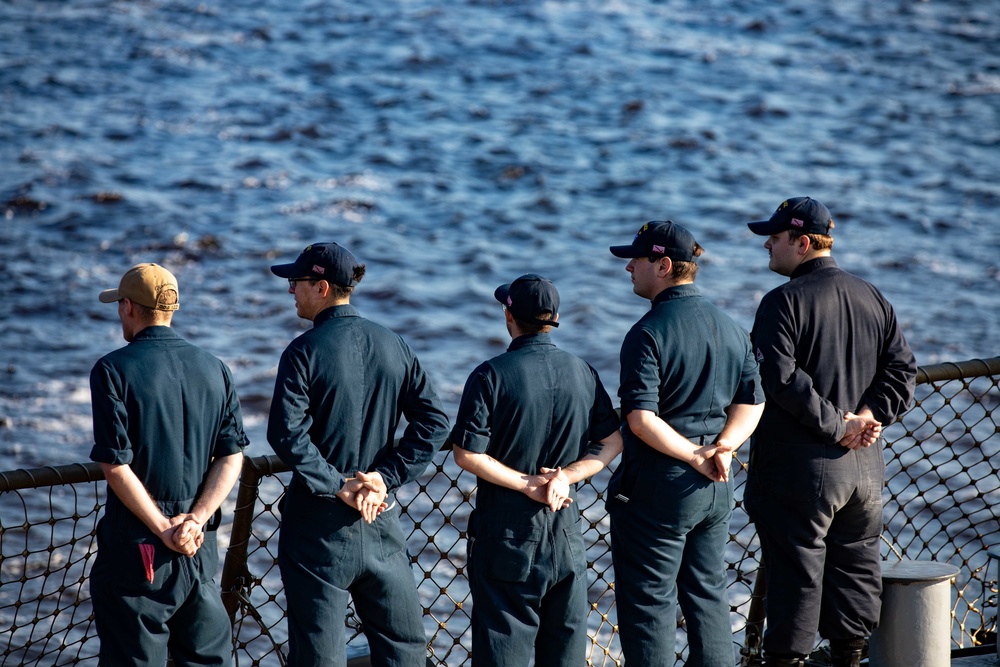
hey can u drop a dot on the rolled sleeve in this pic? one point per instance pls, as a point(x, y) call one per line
point(750, 391)
point(111, 441)
point(604, 420)
point(640, 373)
point(231, 438)
point(474, 421)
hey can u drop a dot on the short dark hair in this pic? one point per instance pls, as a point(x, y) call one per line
point(681, 271)
point(531, 327)
point(340, 292)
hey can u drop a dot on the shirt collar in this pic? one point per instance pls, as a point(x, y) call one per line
point(157, 332)
point(530, 339)
point(676, 292)
point(343, 310)
point(813, 265)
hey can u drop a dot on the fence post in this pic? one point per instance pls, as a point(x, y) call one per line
point(235, 573)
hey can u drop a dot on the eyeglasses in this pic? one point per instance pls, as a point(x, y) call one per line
point(292, 281)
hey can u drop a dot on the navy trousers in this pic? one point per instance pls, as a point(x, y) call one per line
point(180, 611)
point(527, 574)
point(818, 513)
point(668, 543)
point(326, 552)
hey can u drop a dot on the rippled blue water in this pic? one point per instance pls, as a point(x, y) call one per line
point(454, 146)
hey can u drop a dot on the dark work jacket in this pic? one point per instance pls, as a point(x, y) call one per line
point(165, 408)
point(534, 406)
point(341, 389)
point(828, 343)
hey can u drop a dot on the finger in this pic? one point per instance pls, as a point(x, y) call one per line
point(367, 482)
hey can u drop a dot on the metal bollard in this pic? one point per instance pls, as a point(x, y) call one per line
point(994, 554)
point(915, 626)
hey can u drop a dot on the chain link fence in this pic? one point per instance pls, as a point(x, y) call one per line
point(941, 491)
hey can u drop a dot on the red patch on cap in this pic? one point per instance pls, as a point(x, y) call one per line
point(795, 222)
point(658, 248)
point(319, 269)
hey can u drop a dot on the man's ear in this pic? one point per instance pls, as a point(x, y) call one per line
point(665, 266)
point(804, 244)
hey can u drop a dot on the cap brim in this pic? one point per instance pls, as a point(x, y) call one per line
point(625, 251)
point(109, 296)
point(765, 227)
point(286, 270)
point(501, 293)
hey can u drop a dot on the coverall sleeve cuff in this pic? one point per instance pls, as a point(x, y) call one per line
point(649, 406)
point(605, 428)
point(473, 442)
point(229, 446)
point(111, 455)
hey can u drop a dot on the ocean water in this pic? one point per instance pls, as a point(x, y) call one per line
point(455, 146)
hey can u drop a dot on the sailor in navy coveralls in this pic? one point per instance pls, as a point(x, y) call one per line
point(532, 423)
point(341, 390)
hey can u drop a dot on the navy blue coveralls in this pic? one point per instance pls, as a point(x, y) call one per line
point(828, 343)
point(340, 392)
point(165, 408)
point(534, 406)
point(686, 361)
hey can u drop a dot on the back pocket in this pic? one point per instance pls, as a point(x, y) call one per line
point(793, 471)
point(510, 552)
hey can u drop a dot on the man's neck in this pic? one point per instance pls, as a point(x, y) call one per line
point(667, 285)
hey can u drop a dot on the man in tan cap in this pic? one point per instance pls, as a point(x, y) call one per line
point(169, 437)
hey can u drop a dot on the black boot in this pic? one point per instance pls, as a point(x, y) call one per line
point(846, 652)
point(785, 660)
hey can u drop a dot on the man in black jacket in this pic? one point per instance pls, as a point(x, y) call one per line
point(835, 368)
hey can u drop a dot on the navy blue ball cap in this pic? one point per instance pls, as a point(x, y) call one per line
point(804, 214)
point(660, 238)
point(322, 261)
point(528, 297)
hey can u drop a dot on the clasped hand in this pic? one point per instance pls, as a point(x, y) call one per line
point(862, 431)
point(366, 492)
point(549, 487)
point(185, 534)
point(713, 461)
